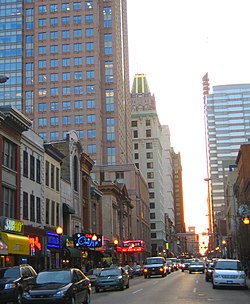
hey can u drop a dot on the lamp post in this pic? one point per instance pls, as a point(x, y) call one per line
point(59, 231)
point(94, 238)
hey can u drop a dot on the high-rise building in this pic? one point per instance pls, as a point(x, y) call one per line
point(67, 64)
point(228, 117)
point(151, 149)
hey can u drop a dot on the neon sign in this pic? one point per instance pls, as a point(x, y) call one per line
point(133, 246)
point(89, 240)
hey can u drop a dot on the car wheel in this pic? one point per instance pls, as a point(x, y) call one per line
point(182, 270)
point(214, 286)
point(122, 287)
point(19, 296)
point(87, 299)
point(145, 277)
point(127, 286)
point(72, 300)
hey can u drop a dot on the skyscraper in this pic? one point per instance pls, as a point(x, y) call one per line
point(228, 126)
point(67, 64)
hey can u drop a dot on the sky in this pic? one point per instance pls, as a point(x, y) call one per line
point(175, 43)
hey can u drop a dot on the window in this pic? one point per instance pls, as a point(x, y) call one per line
point(8, 201)
point(47, 212)
point(78, 119)
point(152, 205)
point(108, 71)
point(66, 105)
point(66, 62)
point(135, 146)
point(89, 46)
point(78, 61)
point(152, 216)
point(54, 63)
point(77, 47)
point(25, 206)
point(77, 33)
point(38, 171)
point(66, 91)
point(65, 34)
point(47, 173)
point(52, 176)
point(9, 150)
point(52, 213)
point(32, 208)
point(54, 77)
point(41, 64)
point(66, 120)
point(91, 133)
point(148, 133)
point(66, 48)
point(38, 210)
point(75, 173)
point(77, 19)
point(151, 195)
point(32, 167)
point(53, 8)
point(135, 134)
point(90, 74)
point(54, 92)
point(150, 174)
point(53, 21)
point(150, 165)
point(90, 60)
point(89, 32)
point(107, 16)
point(91, 149)
point(89, 18)
point(111, 151)
point(54, 106)
point(65, 7)
point(148, 123)
point(134, 123)
point(57, 179)
point(151, 185)
point(90, 89)
point(43, 135)
point(108, 44)
point(42, 122)
point(136, 155)
point(109, 93)
point(42, 22)
point(153, 226)
point(78, 104)
point(78, 75)
point(65, 20)
point(54, 136)
point(149, 145)
point(77, 6)
point(54, 121)
point(149, 155)
point(42, 92)
point(91, 118)
point(54, 49)
point(42, 9)
point(78, 90)
point(42, 50)
point(54, 35)
point(90, 103)
point(25, 164)
point(153, 235)
point(42, 36)
point(89, 4)
point(42, 78)
point(66, 76)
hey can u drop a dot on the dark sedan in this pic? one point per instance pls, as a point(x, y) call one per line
point(93, 274)
point(196, 266)
point(209, 272)
point(64, 286)
point(112, 278)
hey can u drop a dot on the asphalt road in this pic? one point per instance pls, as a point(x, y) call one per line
point(177, 288)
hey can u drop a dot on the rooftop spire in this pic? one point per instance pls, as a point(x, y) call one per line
point(140, 84)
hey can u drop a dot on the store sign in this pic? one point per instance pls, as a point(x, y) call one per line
point(88, 240)
point(53, 241)
point(35, 244)
point(133, 246)
point(11, 225)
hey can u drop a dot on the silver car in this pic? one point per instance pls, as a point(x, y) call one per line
point(229, 273)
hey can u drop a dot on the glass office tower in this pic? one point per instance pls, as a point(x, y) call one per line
point(228, 124)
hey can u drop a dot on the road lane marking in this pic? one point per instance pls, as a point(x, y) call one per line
point(137, 290)
point(194, 290)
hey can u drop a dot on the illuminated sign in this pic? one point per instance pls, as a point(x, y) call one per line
point(34, 244)
point(11, 225)
point(53, 241)
point(88, 240)
point(133, 246)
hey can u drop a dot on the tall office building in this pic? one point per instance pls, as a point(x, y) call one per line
point(151, 148)
point(67, 63)
point(228, 126)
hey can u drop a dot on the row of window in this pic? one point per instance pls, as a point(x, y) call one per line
point(31, 208)
point(42, 22)
point(149, 145)
point(134, 123)
point(65, 91)
point(65, 105)
point(31, 167)
point(52, 176)
point(65, 7)
point(147, 133)
point(78, 119)
point(149, 155)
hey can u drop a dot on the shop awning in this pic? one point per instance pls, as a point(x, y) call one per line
point(68, 209)
point(3, 248)
point(17, 244)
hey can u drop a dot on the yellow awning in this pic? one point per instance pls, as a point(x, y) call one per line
point(17, 244)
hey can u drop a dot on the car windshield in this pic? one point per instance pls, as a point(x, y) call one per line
point(110, 272)
point(153, 261)
point(13, 273)
point(228, 265)
point(53, 277)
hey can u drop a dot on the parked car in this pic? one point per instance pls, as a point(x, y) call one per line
point(112, 278)
point(170, 267)
point(129, 270)
point(196, 266)
point(209, 272)
point(154, 266)
point(13, 281)
point(138, 270)
point(58, 286)
point(93, 274)
point(229, 273)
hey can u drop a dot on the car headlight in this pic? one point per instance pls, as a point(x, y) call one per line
point(10, 286)
point(60, 293)
point(161, 269)
point(145, 270)
point(216, 275)
point(242, 276)
point(26, 294)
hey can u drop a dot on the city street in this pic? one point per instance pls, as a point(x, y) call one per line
point(178, 287)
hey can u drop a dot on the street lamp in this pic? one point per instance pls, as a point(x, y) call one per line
point(59, 231)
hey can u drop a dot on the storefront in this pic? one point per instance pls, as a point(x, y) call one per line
point(18, 247)
point(3, 253)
